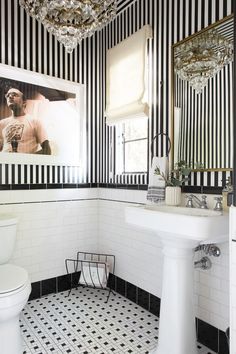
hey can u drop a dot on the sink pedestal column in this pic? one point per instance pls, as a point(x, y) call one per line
point(177, 331)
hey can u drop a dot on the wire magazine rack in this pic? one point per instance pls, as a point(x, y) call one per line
point(93, 269)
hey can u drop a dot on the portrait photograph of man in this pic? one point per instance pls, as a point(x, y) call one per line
point(21, 132)
point(37, 120)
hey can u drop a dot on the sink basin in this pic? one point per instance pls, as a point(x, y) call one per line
point(193, 224)
point(180, 231)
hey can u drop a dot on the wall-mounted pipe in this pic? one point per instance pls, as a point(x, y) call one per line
point(204, 263)
point(209, 249)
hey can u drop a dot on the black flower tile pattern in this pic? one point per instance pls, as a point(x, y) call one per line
point(83, 323)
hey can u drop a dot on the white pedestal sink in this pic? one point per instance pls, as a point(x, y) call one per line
point(180, 230)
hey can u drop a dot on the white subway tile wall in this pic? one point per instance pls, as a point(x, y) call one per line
point(139, 257)
point(64, 222)
point(138, 253)
point(55, 224)
point(233, 280)
point(212, 290)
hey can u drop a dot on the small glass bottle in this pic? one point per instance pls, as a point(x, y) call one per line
point(226, 190)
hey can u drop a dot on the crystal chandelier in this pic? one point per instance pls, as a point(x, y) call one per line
point(71, 20)
point(199, 59)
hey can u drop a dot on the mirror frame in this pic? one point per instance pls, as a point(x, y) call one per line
point(231, 16)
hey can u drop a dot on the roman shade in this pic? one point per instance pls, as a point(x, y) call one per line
point(126, 86)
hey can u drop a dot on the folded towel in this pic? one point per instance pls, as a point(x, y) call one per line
point(156, 187)
point(95, 275)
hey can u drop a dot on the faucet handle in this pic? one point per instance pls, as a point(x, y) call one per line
point(189, 203)
point(218, 198)
point(218, 206)
point(204, 202)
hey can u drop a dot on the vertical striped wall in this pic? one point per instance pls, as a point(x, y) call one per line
point(206, 121)
point(26, 44)
point(172, 21)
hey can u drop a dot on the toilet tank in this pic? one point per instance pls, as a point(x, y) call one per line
point(8, 224)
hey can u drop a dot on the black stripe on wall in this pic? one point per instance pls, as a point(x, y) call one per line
point(20, 175)
point(216, 140)
point(234, 108)
point(26, 44)
point(172, 21)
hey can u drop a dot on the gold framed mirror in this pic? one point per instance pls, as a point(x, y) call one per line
point(202, 98)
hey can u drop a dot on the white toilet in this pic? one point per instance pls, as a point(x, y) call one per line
point(15, 289)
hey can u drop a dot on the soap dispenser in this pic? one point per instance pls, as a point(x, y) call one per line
point(227, 189)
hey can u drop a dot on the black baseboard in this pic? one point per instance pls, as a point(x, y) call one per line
point(208, 335)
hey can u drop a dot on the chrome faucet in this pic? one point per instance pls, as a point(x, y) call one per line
point(218, 206)
point(201, 203)
point(189, 203)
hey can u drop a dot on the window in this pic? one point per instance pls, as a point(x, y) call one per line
point(126, 82)
point(131, 146)
point(127, 104)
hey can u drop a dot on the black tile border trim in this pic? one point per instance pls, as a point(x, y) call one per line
point(32, 186)
point(123, 186)
point(141, 187)
point(203, 189)
point(208, 335)
point(185, 189)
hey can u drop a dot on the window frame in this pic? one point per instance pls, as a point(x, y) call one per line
point(121, 140)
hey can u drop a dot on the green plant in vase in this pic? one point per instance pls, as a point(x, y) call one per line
point(176, 178)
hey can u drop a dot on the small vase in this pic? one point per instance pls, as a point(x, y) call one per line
point(173, 195)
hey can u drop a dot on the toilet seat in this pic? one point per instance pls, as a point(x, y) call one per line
point(12, 279)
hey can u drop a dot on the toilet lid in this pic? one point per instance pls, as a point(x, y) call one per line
point(12, 277)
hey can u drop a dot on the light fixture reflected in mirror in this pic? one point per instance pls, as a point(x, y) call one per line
point(71, 20)
point(202, 57)
point(202, 123)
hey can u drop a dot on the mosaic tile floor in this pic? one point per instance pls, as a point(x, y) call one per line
point(83, 323)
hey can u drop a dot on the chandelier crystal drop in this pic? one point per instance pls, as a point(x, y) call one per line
point(71, 20)
point(199, 59)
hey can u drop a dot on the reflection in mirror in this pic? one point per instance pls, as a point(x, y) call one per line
point(203, 98)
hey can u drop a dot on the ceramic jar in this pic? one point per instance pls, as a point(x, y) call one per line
point(173, 195)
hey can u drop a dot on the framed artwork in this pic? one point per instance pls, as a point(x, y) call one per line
point(41, 119)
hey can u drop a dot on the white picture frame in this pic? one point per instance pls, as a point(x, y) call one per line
point(64, 119)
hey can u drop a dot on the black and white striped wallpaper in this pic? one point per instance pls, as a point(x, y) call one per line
point(31, 176)
point(172, 21)
point(206, 121)
point(26, 44)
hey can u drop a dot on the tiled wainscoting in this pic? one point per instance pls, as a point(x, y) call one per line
point(55, 224)
point(233, 299)
point(52, 226)
point(233, 280)
point(139, 258)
